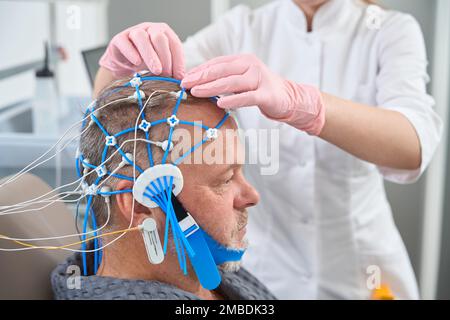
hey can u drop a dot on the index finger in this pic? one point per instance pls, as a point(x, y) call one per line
point(176, 50)
point(214, 72)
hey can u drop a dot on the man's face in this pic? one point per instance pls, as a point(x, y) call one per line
point(217, 195)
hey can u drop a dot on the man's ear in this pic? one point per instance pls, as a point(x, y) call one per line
point(125, 202)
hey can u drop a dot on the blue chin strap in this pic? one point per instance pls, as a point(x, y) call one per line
point(220, 253)
point(204, 253)
point(208, 253)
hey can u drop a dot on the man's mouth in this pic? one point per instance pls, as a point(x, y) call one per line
point(242, 221)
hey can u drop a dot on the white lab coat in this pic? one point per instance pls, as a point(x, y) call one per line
point(324, 219)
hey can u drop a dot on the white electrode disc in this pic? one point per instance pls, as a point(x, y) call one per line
point(152, 174)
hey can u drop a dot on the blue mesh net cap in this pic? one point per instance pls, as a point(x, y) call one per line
point(161, 189)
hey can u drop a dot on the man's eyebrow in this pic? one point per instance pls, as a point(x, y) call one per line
point(229, 167)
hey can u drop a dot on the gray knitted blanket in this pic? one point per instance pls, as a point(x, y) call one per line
point(239, 285)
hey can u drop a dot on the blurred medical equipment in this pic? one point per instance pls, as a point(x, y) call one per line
point(46, 105)
point(31, 124)
point(382, 293)
point(91, 58)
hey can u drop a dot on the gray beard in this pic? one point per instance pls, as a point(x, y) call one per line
point(232, 266)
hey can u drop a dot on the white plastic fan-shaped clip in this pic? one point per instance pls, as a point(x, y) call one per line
point(152, 174)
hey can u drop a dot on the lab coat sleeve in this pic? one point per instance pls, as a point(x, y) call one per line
point(401, 86)
point(223, 37)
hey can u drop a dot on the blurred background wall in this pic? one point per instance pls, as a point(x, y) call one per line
point(101, 19)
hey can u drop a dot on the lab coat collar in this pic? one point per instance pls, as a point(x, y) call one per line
point(330, 16)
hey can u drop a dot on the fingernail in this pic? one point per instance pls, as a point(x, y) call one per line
point(157, 70)
point(196, 91)
point(220, 104)
point(187, 82)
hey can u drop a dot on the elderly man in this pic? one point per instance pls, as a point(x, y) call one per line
point(215, 194)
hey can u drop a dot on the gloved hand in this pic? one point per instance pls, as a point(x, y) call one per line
point(146, 46)
point(254, 84)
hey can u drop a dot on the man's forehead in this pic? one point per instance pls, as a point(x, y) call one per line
point(205, 112)
point(208, 172)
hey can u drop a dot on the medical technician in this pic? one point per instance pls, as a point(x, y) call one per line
point(344, 81)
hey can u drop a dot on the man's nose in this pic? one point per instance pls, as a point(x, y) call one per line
point(249, 197)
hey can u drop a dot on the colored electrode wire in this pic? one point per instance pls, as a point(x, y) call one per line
point(29, 245)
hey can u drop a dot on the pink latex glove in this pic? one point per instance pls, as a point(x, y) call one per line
point(254, 84)
point(147, 46)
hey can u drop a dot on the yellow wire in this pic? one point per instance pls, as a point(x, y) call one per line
point(70, 244)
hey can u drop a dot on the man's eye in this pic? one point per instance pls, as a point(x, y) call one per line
point(228, 181)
